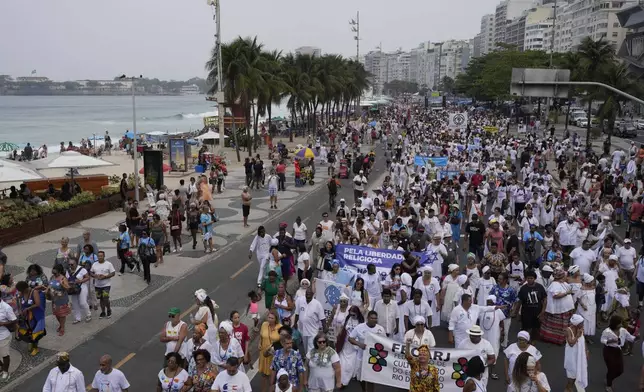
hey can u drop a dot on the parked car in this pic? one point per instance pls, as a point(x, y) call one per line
point(582, 122)
point(639, 123)
point(625, 130)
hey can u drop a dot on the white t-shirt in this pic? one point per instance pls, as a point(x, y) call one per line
point(115, 381)
point(626, 257)
point(300, 232)
point(224, 382)
point(583, 259)
point(6, 314)
point(412, 310)
point(104, 268)
point(310, 316)
point(304, 256)
point(483, 348)
point(173, 384)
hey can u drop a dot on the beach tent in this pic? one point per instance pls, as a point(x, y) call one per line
point(8, 146)
point(76, 160)
point(15, 172)
point(210, 135)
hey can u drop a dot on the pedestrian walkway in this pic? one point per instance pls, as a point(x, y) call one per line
point(129, 291)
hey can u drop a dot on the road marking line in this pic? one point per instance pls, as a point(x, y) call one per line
point(242, 269)
point(122, 361)
point(253, 372)
point(118, 365)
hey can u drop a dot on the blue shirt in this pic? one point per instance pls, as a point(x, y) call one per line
point(91, 259)
point(207, 219)
point(345, 276)
point(147, 241)
point(125, 240)
point(527, 236)
point(504, 296)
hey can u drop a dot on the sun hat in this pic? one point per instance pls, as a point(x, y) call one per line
point(475, 330)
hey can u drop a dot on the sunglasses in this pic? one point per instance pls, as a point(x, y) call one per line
point(321, 341)
point(171, 315)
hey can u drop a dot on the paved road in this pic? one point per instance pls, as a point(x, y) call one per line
point(133, 340)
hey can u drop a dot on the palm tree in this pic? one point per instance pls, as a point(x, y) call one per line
point(571, 61)
point(595, 57)
point(618, 76)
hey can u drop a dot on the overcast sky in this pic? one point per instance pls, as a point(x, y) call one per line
point(171, 39)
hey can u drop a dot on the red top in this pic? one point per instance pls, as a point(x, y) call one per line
point(241, 334)
point(477, 179)
point(637, 209)
point(281, 168)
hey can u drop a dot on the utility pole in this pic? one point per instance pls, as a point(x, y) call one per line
point(219, 95)
point(378, 78)
point(355, 27)
point(552, 51)
point(134, 141)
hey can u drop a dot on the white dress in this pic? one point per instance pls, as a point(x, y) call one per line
point(474, 276)
point(451, 287)
point(349, 356)
point(484, 287)
point(338, 322)
point(212, 333)
point(587, 297)
point(572, 356)
point(512, 352)
point(490, 324)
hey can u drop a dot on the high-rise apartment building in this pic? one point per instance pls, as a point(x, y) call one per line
point(486, 39)
point(506, 11)
point(538, 21)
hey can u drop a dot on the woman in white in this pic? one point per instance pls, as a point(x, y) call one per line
point(576, 355)
point(464, 288)
point(358, 295)
point(490, 323)
point(587, 306)
point(226, 347)
point(162, 207)
point(611, 273)
point(514, 350)
point(78, 277)
point(338, 316)
point(349, 364)
point(430, 288)
point(559, 308)
point(450, 286)
point(323, 366)
point(405, 291)
point(613, 339)
point(527, 377)
point(304, 285)
point(420, 335)
point(206, 315)
point(548, 210)
point(472, 271)
point(175, 334)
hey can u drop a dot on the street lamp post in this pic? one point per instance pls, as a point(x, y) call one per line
point(134, 142)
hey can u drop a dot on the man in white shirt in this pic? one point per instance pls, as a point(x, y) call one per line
point(627, 256)
point(232, 379)
point(64, 377)
point(373, 284)
point(109, 379)
point(388, 313)
point(103, 271)
point(261, 246)
point(463, 317)
point(7, 318)
point(359, 181)
point(358, 336)
point(327, 225)
point(482, 347)
point(584, 257)
point(567, 231)
point(309, 317)
point(417, 307)
point(366, 201)
point(343, 206)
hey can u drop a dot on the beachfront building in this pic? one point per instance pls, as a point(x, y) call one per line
point(419, 64)
point(538, 21)
point(577, 19)
point(486, 36)
point(632, 48)
point(309, 50)
point(476, 46)
point(32, 79)
point(376, 64)
point(506, 12)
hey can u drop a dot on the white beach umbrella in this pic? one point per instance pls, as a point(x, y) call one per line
point(76, 160)
point(208, 135)
point(15, 172)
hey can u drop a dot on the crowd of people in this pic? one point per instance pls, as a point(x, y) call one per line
point(507, 246)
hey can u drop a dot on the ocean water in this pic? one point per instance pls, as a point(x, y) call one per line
point(53, 119)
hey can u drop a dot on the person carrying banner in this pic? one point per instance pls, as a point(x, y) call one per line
point(481, 346)
point(463, 317)
point(357, 338)
point(424, 376)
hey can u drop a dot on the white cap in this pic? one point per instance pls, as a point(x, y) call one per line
point(491, 298)
point(419, 320)
point(547, 268)
point(452, 267)
point(486, 269)
point(613, 257)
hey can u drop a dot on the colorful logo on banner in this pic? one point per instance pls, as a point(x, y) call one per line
point(420, 160)
point(386, 364)
point(328, 293)
point(453, 173)
point(377, 357)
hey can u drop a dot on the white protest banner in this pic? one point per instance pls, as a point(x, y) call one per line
point(384, 362)
point(458, 120)
point(328, 293)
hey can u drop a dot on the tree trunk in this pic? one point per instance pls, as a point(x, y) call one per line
point(234, 137)
point(255, 135)
point(248, 138)
point(568, 112)
point(290, 132)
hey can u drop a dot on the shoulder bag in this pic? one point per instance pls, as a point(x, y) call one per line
point(74, 288)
